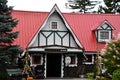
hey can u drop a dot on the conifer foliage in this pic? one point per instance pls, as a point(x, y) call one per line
point(81, 4)
point(8, 51)
point(112, 6)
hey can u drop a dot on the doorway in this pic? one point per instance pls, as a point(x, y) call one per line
point(53, 65)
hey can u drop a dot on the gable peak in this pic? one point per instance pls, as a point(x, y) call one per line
point(55, 8)
point(104, 23)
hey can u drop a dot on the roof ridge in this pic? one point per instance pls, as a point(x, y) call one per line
point(30, 11)
point(93, 14)
point(72, 13)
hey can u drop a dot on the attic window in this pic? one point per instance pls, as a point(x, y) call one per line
point(54, 25)
point(104, 35)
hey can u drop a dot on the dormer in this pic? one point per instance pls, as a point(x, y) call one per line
point(103, 32)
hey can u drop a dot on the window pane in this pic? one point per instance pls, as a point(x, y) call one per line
point(104, 35)
point(36, 59)
point(89, 58)
point(72, 59)
point(54, 25)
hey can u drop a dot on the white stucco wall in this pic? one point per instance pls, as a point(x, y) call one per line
point(54, 38)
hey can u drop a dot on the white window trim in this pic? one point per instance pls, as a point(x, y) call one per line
point(103, 40)
point(92, 62)
point(51, 25)
point(76, 60)
point(32, 59)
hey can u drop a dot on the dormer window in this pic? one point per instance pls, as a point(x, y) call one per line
point(104, 32)
point(54, 25)
point(104, 35)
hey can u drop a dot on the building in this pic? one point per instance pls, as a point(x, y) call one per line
point(61, 42)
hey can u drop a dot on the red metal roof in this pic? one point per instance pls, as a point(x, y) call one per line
point(81, 24)
point(29, 23)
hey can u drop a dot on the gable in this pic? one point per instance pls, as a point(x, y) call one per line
point(105, 25)
point(55, 17)
point(60, 36)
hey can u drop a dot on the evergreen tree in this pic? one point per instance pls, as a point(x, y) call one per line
point(81, 4)
point(8, 51)
point(111, 55)
point(112, 6)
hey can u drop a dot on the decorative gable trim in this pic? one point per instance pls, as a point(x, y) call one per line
point(56, 9)
point(105, 26)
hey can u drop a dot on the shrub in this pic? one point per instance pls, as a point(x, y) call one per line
point(116, 75)
point(90, 75)
point(3, 76)
point(111, 56)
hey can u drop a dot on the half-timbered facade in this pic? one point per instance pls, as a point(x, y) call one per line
point(52, 43)
point(65, 44)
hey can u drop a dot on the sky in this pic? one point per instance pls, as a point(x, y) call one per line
point(38, 5)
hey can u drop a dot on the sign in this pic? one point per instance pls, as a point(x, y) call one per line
point(56, 50)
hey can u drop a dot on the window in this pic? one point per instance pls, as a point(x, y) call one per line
point(54, 25)
point(104, 35)
point(90, 59)
point(72, 60)
point(36, 59)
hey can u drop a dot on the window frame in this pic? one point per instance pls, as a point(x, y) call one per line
point(39, 63)
point(100, 39)
point(51, 25)
point(104, 35)
point(92, 59)
point(75, 60)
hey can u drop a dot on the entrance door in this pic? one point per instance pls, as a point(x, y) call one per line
point(53, 65)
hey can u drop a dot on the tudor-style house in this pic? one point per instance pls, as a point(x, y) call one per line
point(66, 44)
